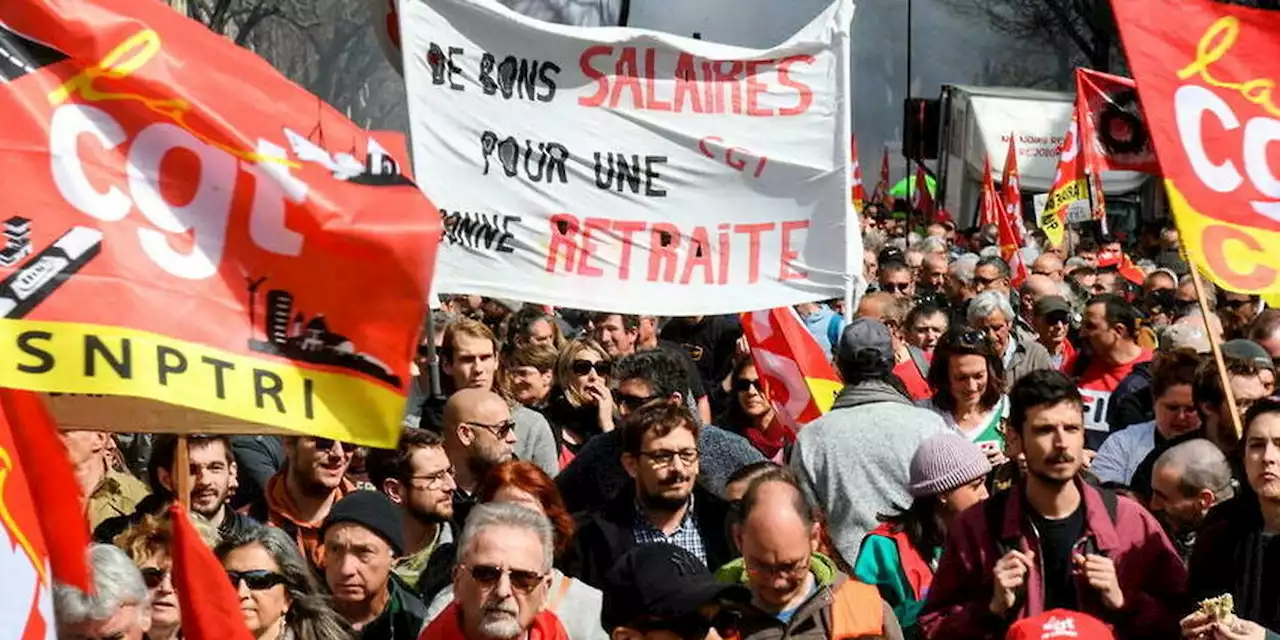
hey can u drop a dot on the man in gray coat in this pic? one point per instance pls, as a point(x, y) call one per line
point(854, 461)
point(991, 312)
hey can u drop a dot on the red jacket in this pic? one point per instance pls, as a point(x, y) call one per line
point(448, 626)
point(1151, 575)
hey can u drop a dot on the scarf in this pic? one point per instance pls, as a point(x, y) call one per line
point(448, 626)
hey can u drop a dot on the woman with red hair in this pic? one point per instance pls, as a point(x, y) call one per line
point(524, 484)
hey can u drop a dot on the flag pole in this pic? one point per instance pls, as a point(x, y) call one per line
point(1217, 353)
point(182, 473)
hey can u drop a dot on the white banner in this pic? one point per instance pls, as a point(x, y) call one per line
point(631, 171)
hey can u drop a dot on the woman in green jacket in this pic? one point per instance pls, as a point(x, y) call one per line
point(948, 474)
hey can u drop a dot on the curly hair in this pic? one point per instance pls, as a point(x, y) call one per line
point(532, 480)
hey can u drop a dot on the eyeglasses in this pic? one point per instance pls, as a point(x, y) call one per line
point(326, 444)
point(895, 287)
point(153, 576)
point(434, 480)
point(631, 402)
point(664, 458)
point(500, 430)
point(256, 580)
point(522, 580)
point(782, 570)
point(743, 385)
point(986, 282)
point(583, 367)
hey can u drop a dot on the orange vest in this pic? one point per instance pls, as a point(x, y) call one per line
point(919, 573)
point(856, 611)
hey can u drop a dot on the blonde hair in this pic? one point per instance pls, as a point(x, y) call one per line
point(566, 379)
point(154, 534)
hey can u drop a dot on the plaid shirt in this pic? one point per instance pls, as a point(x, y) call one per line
point(685, 537)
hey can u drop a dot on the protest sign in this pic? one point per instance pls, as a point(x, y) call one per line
point(614, 169)
point(187, 226)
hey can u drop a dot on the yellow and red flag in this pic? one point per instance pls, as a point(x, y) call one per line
point(1070, 185)
point(1203, 70)
point(43, 530)
point(1010, 183)
point(857, 192)
point(797, 376)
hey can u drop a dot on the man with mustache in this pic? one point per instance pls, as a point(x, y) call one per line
point(501, 581)
point(1053, 541)
point(664, 503)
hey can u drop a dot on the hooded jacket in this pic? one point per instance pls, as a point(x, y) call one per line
point(1148, 568)
point(1233, 555)
point(813, 619)
point(854, 462)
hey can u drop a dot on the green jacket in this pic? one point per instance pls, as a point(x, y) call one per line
point(879, 564)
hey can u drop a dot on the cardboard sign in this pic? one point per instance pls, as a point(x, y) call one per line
point(620, 170)
point(185, 225)
point(1205, 72)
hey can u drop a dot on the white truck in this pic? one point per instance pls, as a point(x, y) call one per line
point(977, 122)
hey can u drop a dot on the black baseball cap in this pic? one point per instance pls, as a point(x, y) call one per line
point(663, 587)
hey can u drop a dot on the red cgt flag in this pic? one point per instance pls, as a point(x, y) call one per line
point(796, 375)
point(210, 605)
point(990, 210)
point(1012, 189)
point(857, 192)
point(42, 545)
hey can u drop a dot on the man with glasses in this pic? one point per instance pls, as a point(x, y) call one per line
point(790, 582)
point(116, 608)
point(1237, 311)
point(664, 503)
point(1052, 322)
point(991, 273)
point(1050, 266)
point(897, 279)
point(363, 536)
point(418, 477)
point(479, 435)
point(619, 334)
point(298, 498)
point(502, 579)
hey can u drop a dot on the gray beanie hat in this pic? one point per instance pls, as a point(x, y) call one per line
point(944, 462)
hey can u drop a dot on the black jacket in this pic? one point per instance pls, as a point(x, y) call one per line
point(154, 505)
point(1232, 555)
point(402, 619)
point(605, 535)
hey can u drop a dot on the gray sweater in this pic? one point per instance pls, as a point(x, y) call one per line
point(534, 440)
point(854, 461)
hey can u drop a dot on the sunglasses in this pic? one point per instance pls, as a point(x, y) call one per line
point(522, 580)
point(583, 367)
point(743, 385)
point(500, 430)
point(631, 402)
point(895, 287)
point(256, 580)
point(153, 576)
point(326, 444)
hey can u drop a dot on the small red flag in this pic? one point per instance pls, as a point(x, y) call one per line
point(881, 193)
point(1012, 188)
point(922, 200)
point(857, 192)
point(210, 605)
point(796, 375)
point(990, 210)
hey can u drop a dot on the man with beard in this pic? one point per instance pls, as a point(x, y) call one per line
point(363, 536)
point(1187, 481)
point(479, 435)
point(1053, 541)
point(298, 498)
point(664, 503)
point(501, 582)
point(418, 477)
point(933, 273)
point(213, 480)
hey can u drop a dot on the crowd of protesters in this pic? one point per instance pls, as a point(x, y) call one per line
point(1048, 456)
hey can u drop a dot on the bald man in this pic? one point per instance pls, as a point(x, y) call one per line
point(933, 273)
point(778, 537)
point(1031, 291)
point(1187, 481)
point(1048, 265)
point(479, 435)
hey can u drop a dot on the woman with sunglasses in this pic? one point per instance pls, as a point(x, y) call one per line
point(575, 603)
point(147, 544)
point(750, 414)
point(968, 378)
point(278, 593)
point(581, 403)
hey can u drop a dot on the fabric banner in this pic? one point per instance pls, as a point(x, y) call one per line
point(797, 377)
point(629, 171)
point(1204, 72)
point(1012, 189)
point(1111, 120)
point(881, 194)
point(990, 208)
point(921, 198)
point(187, 226)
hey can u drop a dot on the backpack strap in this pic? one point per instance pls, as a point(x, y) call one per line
point(993, 511)
point(1111, 501)
point(856, 611)
point(922, 364)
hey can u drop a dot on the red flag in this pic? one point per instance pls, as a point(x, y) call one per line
point(797, 376)
point(1112, 125)
point(881, 192)
point(1070, 185)
point(37, 546)
point(857, 192)
point(921, 199)
point(990, 210)
point(210, 605)
point(1012, 189)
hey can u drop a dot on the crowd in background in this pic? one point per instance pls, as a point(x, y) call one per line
point(1046, 455)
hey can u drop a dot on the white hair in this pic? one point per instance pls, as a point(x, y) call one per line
point(116, 583)
point(988, 302)
point(1203, 466)
point(504, 514)
point(873, 240)
point(963, 267)
point(990, 252)
point(933, 244)
point(1075, 262)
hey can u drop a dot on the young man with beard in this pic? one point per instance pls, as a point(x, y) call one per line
point(664, 503)
point(479, 434)
point(299, 497)
point(213, 479)
point(469, 360)
point(419, 478)
point(1053, 541)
